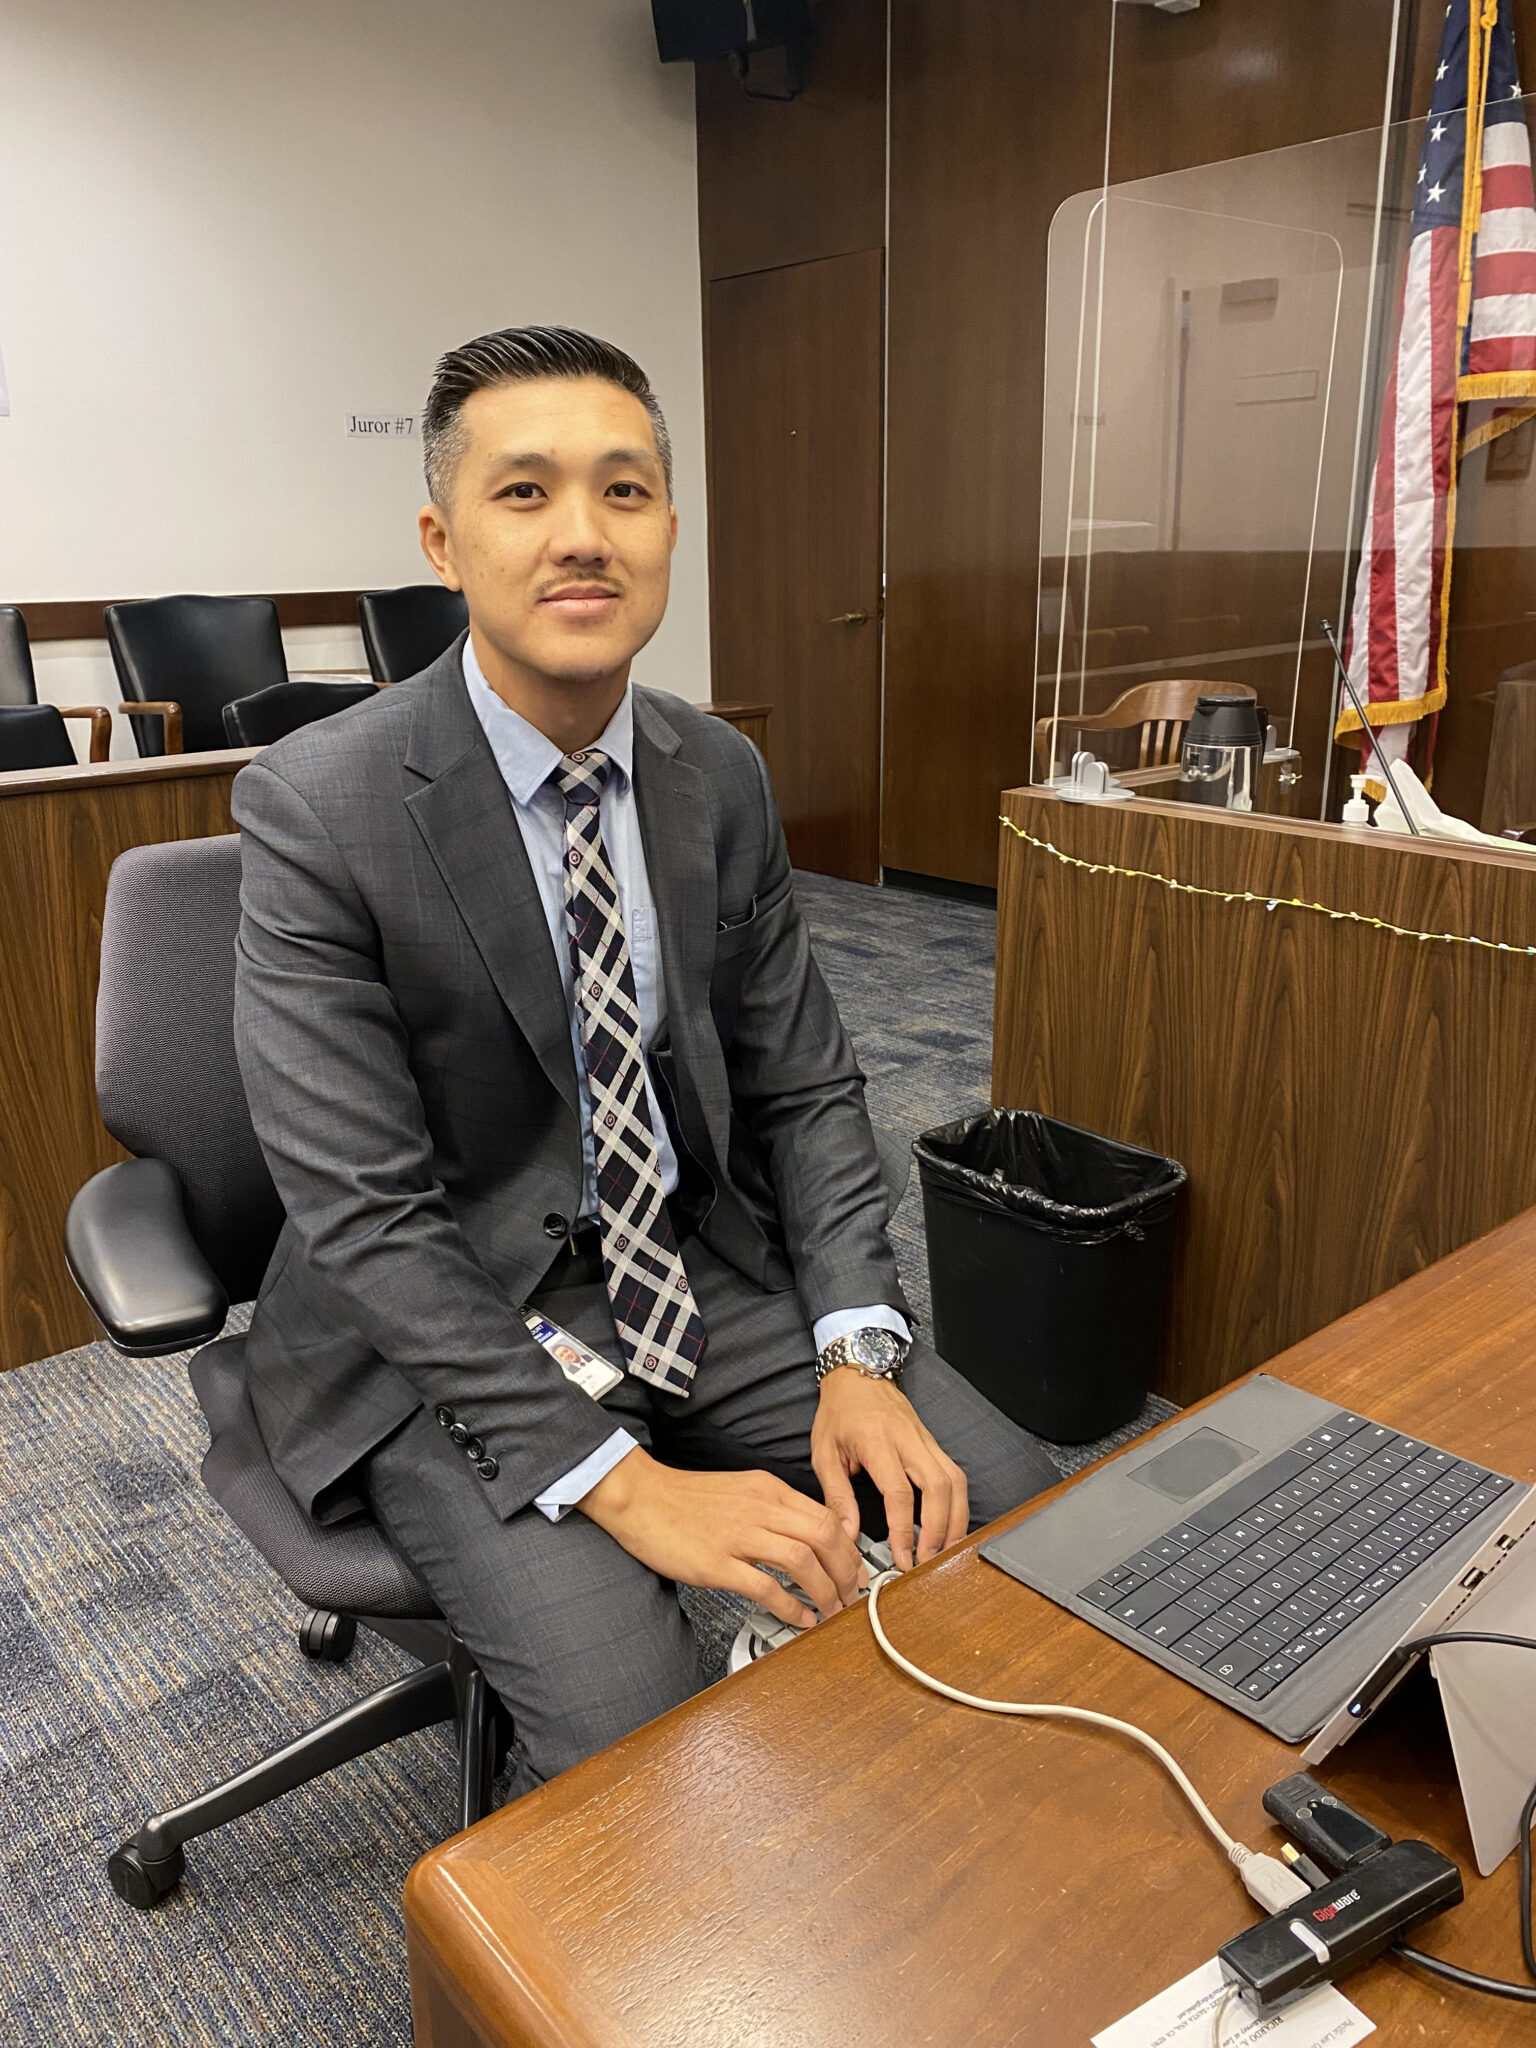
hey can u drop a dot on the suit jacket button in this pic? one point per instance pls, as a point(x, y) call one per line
point(474, 1448)
point(458, 1432)
point(487, 1468)
point(555, 1226)
point(445, 1417)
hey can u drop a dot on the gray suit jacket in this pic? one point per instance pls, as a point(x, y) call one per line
point(404, 1040)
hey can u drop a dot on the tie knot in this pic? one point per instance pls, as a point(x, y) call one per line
point(580, 777)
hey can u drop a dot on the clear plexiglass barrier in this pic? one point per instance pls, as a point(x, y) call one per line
point(1217, 346)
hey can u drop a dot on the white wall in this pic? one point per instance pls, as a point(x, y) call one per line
point(222, 227)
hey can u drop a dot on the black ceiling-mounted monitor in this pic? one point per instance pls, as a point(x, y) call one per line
point(696, 30)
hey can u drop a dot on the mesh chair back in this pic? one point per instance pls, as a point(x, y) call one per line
point(198, 652)
point(406, 630)
point(33, 736)
point(258, 721)
point(166, 1076)
point(18, 683)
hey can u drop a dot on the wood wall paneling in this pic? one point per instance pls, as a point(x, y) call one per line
point(60, 831)
point(791, 181)
point(1350, 1105)
point(997, 115)
point(795, 478)
point(79, 618)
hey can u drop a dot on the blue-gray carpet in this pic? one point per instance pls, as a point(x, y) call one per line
point(146, 1651)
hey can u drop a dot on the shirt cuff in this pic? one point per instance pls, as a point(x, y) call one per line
point(557, 1501)
point(842, 1320)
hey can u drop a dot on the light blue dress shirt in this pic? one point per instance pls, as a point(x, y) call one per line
point(527, 760)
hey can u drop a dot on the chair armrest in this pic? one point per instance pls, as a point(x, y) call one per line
point(171, 713)
point(101, 726)
point(132, 1256)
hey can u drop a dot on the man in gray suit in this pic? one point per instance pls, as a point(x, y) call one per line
point(537, 1052)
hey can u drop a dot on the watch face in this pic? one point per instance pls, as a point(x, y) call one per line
point(877, 1348)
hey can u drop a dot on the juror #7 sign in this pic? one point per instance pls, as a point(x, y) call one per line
point(380, 426)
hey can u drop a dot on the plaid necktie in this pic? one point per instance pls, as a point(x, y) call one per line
point(658, 1325)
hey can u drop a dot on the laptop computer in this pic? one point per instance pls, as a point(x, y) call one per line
point(1273, 1549)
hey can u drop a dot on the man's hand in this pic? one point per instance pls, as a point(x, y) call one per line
point(716, 1528)
point(869, 1425)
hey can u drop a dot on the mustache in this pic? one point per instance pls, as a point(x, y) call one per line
point(605, 585)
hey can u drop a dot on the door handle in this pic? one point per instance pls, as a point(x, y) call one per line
point(849, 619)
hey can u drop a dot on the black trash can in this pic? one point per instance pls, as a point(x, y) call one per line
point(1049, 1254)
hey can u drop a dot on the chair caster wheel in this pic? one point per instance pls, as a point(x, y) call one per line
point(327, 1636)
point(141, 1883)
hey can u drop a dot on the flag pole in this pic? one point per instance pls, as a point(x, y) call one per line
point(1366, 729)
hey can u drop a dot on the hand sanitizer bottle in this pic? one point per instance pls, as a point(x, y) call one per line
point(1357, 811)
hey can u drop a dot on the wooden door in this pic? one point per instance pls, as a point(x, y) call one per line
point(794, 455)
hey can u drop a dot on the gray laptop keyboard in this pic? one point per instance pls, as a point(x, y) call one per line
point(1259, 1579)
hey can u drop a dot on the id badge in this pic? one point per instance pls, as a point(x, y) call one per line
point(580, 1364)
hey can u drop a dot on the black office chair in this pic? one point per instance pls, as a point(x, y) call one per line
point(32, 735)
point(159, 1245)
point(18, 683)
point(259, 720)
point(404, 631)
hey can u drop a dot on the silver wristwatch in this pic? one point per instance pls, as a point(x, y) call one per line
point(877, 1353)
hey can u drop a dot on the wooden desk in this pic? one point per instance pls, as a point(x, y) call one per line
point(752, 719)
point(819, 1852)
point(60, 831)
point(1350, 1105)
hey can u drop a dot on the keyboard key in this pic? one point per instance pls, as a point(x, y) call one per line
point(1224, 1588)
point(1257, 1685)
point(1219, 1546)
point(1241, 1569)
point(1302, 1613)
point(1265, 1554)
point(1100, 1594)
point(1374, 1436)
point(1187, 1536)
point(1218, 1632)
point(1256, 1602)
point(1192, 1650)
point(1279, 1669)
point(1200, 1600)
point(1165, 1549)
point(1233, 1666)
point(1267, 1641)
point(1300, 1650)
point(1176, 1575)
point(1164, 1628)
point(1144, 1565)
point(1143, 1605)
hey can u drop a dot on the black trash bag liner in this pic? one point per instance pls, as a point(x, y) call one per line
point(1049, 1256)
point(1068, 1181)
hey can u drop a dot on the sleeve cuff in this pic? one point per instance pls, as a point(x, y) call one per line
point(838, 1324)
point(557, 1501)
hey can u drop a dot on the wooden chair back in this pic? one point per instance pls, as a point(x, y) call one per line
point(1162, 710)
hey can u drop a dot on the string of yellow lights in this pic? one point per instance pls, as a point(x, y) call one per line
point(1380, 924)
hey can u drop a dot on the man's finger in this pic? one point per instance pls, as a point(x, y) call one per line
point(807, 1521)
point(959, 1508)
point(767, 1592)
point(896, 1491)
point(933, 1483)
point(802, 1564)
point(837, 1491)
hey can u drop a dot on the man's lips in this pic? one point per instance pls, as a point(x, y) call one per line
point(581, 602)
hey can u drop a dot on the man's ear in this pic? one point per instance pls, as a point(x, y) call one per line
point(672, 542)
point(436, 546)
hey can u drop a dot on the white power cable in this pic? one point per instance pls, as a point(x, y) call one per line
point(1266, 1878)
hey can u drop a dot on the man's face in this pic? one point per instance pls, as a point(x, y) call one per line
point(557, 529)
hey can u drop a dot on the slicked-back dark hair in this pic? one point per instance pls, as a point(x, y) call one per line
point(517, 355)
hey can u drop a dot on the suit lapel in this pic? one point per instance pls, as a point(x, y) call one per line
point(678, 837)
point(464, 814)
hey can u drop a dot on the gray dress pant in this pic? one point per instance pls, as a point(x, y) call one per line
point(581, 1640)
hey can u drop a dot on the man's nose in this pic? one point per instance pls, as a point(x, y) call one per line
point(577, 534)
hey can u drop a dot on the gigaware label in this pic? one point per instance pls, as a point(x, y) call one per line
point(380, 426)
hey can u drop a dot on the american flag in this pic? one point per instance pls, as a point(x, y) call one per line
point(1466, 339)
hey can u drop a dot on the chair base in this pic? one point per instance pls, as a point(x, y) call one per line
point(149, 1865)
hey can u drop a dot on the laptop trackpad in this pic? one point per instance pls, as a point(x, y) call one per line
point(1191, 1466)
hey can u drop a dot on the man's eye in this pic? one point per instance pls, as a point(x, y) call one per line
point(524, 491)
point(628, 490)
